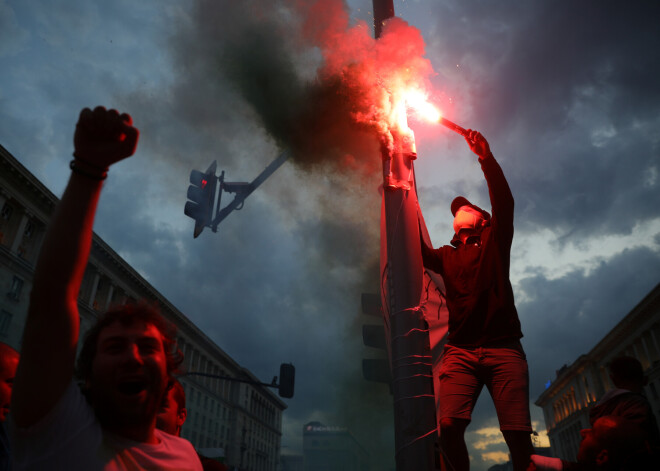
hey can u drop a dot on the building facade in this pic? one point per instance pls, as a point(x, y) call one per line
point(567, 400)
point(238, 422)
point(291, 463)
point(332, 448)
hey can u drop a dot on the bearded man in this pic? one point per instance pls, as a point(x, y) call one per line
point(127, 360)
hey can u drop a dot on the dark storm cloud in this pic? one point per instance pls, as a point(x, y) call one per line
point(243, 61)
point(246, 85)
point(548, 93)
point(564, 318)
point(228, 283)
point(249, 298)
point(568, 95)
point(270, 293)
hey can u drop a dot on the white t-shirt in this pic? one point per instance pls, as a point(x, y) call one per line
point(70, 437)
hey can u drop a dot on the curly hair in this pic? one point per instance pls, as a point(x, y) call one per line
point(126, 315)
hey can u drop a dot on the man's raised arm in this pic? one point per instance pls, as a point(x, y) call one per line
point(501, 199)
point(102, 137)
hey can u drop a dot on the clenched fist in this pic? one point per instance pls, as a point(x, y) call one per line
point(104, 137)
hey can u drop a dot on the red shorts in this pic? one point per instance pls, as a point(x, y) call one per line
point(503, 369)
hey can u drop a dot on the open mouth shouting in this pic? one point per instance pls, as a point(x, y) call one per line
point(132, 387)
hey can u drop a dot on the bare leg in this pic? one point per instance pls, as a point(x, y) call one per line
point(453, 451)
point(520, 446)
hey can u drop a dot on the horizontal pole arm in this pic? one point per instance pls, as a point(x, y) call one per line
point(254, 184)
point(231, 378)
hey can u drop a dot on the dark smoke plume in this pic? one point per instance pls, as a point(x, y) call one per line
point(325, 89)
point(319, 86)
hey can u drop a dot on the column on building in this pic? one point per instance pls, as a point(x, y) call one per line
point(95, 286)
point(648, 362)
point(638, 353)
point(18, 237)
point(653, 333)
point(192, 359)
point(4, 197)
point(216, 381)
point(650, 346)
point(108, 299)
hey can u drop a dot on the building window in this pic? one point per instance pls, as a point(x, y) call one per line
point(29, 230)
point(15, 290)
point(5, 322)
point(6, 212)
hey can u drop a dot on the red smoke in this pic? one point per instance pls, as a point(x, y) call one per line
point(318, 82)
point(373, 76)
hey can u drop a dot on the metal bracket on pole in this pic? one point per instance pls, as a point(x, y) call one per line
point(242, 190)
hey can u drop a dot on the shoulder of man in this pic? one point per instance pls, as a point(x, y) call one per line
point(209, 464)
point(182, 446)
point(631, 398)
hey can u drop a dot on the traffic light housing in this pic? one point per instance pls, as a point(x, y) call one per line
point(287, 380)
point(201, 194)
point(376, 336)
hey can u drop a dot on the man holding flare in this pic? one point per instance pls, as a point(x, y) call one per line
point(483, 345)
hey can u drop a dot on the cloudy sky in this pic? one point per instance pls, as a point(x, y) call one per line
point(567, 93)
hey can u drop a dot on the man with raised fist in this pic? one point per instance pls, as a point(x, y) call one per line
point(127, 359)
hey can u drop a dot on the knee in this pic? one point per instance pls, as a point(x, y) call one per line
point(450, 425)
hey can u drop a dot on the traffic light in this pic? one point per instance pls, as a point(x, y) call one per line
point(375, 336)
point(201, 194)
point(376, 369)
point(287, 380)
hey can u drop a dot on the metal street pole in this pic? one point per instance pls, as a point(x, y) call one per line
point(415, 431)
point(401, 263)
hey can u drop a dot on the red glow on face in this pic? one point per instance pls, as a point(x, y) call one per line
point(204, 182)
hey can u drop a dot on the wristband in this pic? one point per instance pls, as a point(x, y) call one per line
point(78, 170)
point(89, 164)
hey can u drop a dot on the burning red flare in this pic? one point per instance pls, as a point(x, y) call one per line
point(417, 103)
point(384, 81)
